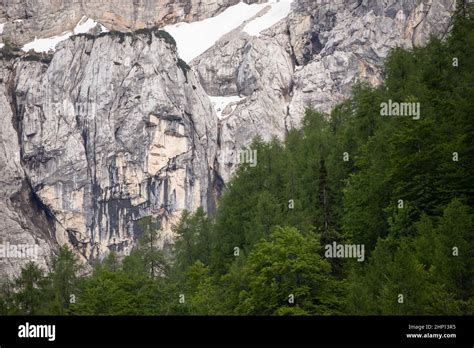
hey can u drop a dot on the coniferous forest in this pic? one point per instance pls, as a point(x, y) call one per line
point(400, 187)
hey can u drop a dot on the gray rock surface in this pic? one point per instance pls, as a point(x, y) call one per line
point(111, 130)
point(310, 59)
point(23, 222)
point(350, 42)
point(44, 18)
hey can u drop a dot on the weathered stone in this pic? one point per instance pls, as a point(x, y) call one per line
point(44, 18)
point(113, 129)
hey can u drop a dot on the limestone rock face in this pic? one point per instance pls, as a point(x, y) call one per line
point(347, 42)
point(262, 73)
point(45, 18)
point(310, 59)
point(113, 129)
point(24, 224)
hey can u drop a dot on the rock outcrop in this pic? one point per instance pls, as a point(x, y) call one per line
point(310, 59)
point(114, 128)
point(41, 18)
point(26, 228)
point(340, 43)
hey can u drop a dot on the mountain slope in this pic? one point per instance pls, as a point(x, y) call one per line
point(114, 126)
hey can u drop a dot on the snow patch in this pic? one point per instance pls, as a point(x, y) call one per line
point(195, 38)
point(279, 10)
point(44, 45)
point(1, 28)
point(1, 45)
point(103, 29)
point(220, 103)
point(84, 25)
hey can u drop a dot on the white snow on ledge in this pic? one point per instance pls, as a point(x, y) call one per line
point(84, 26)
point(195, 38)
point(220, 103)
point(279, 10)
point(45, 45)
point(1, 27)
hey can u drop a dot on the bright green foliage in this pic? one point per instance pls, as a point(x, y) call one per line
point(287, 264)
point(202, 295)
point(118, 293)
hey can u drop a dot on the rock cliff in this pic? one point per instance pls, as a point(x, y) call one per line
point(112, 129)
point(44, 18)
